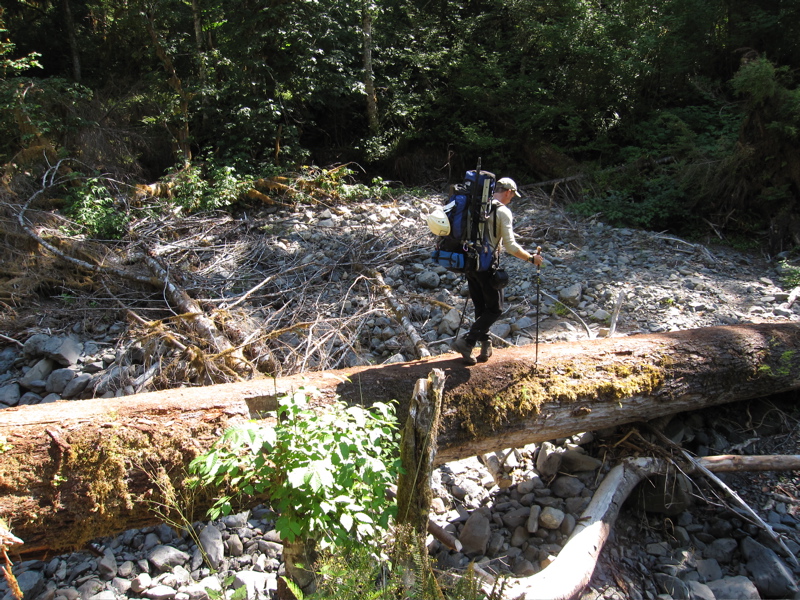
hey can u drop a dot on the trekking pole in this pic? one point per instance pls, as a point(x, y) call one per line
point(463, 312)
point(538, 302)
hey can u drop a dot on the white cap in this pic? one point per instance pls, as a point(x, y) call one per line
point(508, 184)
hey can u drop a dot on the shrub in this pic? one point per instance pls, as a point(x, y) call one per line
point(325, 471)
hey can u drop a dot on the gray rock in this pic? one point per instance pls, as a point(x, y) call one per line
point(38, 372)
point(533, 518)
point(64, 350)
point(107, 566)
point(708, 569)
point(699, 591)
point(551, 518)
point(34, 345)
point(567, 487)
point(235, 546)
point(163, 558)
point(121, 584)
point(76, 385)
point(568, 524)
point(449, 323)
point(549, 459)
point(160, 592)
point(673, 586)
point(58, 380)
point(255, 583)
point(722, 550)
point(770, 575)
point(200, 590)
point(125, 569)
point(495, 544)
point(475, 535)
point(574, 461)
point(141, 582)
point(31, 583)
point(10, 394)
point(151, 540)
point(523, 568)
point(90, 587)
point(516, 517)
point(29, 398)
point(428, 280)
point(739, 587)
point(519, 537)
point(8, 357)
point(571, 295)
point(211, 541)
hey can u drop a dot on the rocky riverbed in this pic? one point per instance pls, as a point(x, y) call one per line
point(518, 523)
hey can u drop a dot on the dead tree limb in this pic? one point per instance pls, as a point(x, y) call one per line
point(729, 463)
point(204, 326)
point(572, 569)
point(400, 313)
point(506, 403)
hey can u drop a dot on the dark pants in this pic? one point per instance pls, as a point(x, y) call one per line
point(488, 305)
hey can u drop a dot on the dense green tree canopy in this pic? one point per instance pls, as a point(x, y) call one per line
point(675, 107)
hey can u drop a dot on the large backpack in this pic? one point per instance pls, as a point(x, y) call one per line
point(466, 245)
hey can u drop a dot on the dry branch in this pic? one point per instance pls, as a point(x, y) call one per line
point(400, 313)
point(572, 569)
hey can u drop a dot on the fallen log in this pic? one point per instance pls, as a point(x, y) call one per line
point(94, 477)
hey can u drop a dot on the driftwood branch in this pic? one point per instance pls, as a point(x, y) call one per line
point(400, 313)
point(572, 569)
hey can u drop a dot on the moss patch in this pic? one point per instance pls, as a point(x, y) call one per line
point(482, 410)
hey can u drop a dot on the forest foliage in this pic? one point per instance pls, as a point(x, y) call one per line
point(677, 114)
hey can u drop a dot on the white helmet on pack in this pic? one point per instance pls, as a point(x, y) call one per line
point(438, 222)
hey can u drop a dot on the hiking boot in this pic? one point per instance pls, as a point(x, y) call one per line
point(463, 347)
point(486, 351)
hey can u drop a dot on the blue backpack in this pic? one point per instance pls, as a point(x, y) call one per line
point(464, 249)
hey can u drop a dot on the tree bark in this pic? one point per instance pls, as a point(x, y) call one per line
point(72, 40)
point(418, 451)
point(73, 471)
point(369, 76)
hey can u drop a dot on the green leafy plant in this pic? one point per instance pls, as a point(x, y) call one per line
point(200, 187)
point(91, 205)
point(560, 310)
point(325, 471)
point(790, 275)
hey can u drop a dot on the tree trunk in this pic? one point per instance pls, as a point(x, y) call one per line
point(369, 76)
point(72, 40)
point(73, 471)
point(418, 451)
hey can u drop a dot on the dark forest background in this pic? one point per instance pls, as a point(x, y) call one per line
point(678, 115)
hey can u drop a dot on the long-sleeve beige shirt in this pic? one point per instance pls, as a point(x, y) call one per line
point(503, 231)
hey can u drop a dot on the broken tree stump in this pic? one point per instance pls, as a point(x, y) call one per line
point(417, 453)
point(94, 476)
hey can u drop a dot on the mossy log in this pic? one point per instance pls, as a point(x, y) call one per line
point(73, 471)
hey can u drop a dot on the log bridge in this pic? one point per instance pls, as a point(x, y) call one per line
point(74, 471)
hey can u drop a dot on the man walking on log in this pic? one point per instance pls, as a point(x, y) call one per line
point(486, 297)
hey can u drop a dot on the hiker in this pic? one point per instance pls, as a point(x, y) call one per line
point(487, 300)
